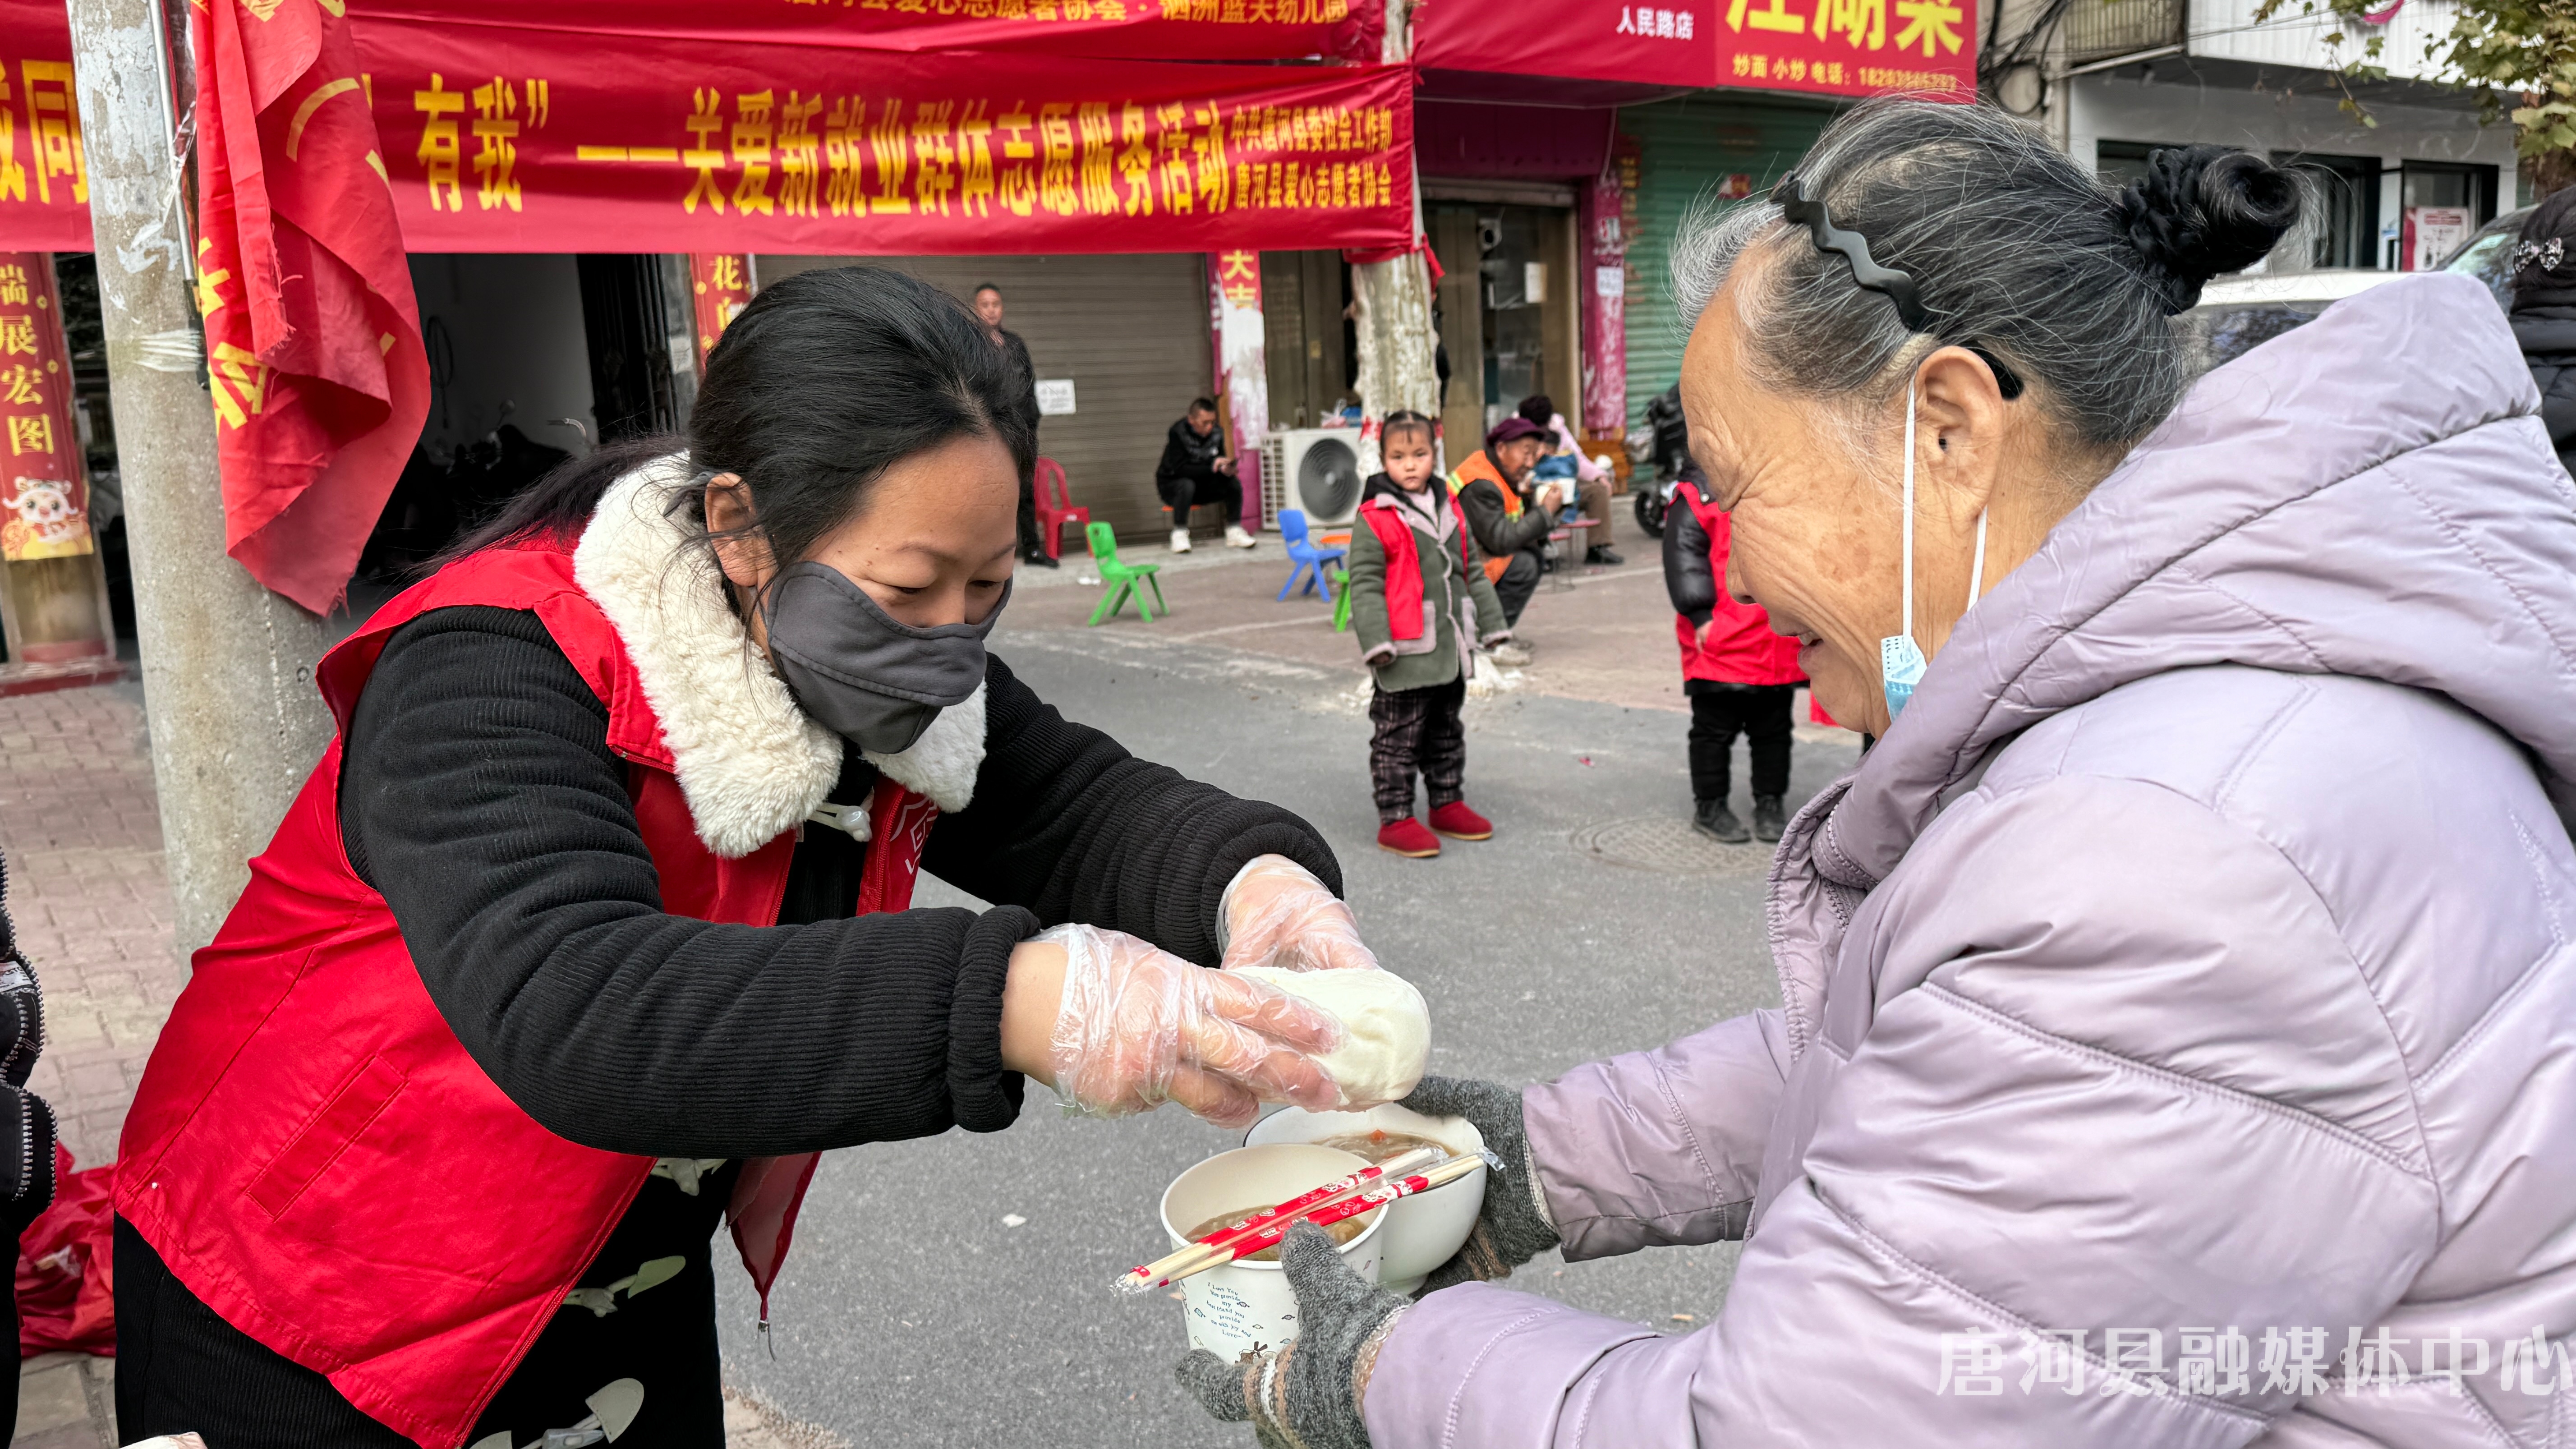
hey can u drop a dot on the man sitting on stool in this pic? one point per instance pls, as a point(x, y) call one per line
point(1197, 469)
point(1510, 529)
point(1587, 482)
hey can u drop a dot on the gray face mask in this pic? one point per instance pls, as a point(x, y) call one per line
point(867, 677)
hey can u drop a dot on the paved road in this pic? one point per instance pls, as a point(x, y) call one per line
point(911, 1315)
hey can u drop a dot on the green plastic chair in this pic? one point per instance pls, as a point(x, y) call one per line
point(1120, 579)
point(1340, 581)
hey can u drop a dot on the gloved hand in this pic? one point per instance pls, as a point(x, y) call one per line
point(1513, 1226)
point(1308, 1393)
point(1277, 914)
point(1138, 1026)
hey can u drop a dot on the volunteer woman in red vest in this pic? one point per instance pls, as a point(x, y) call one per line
point(590, 928)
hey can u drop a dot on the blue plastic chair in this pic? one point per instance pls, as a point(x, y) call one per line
point(1305, 556)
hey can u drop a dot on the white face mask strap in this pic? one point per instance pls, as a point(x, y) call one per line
point(1909, 509)
point(1977, 571)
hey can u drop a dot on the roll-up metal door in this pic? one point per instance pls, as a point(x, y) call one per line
point(1130, 332)
point(1688, 147)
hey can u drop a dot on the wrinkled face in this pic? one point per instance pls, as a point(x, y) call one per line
point(1516, 458)
point(934, 545)
point(988, 307)
point(1816, 539)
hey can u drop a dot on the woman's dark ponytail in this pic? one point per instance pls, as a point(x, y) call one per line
point(558, 506)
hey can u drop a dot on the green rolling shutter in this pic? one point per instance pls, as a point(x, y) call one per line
point(1688, 147)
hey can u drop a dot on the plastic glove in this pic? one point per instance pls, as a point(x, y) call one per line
point(1138, 1026)
point(1277, 914)
point(1513, 1226)
point(1309, 1392)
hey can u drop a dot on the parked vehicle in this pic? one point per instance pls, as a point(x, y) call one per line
point(1659, 450)
point(2237, 314)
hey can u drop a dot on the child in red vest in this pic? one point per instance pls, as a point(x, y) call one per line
point(1419, 609)
point(1740, 676)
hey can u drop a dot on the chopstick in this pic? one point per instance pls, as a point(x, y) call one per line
point(1161, 1271)
point(1349, 1207)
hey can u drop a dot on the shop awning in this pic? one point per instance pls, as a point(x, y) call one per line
point(1827, 47)
point(1258, 30)
point(652, 127)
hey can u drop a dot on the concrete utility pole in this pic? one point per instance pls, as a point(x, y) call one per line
point(1394, 299)
point(227, 665)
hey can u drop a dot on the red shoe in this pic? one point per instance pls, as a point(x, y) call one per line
point(1458, 822)
point(1407, 837)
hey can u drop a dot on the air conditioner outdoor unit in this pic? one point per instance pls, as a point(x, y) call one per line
point(1314, 470)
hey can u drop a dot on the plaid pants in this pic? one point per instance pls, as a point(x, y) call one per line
point(1417, 728)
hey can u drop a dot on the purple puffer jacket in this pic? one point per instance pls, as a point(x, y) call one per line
point(2189, 971)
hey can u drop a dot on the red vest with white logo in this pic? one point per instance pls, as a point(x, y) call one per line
point(314, 1153)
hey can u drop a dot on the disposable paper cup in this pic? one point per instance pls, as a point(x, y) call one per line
point(1248, 1307)
point(1423, 1231)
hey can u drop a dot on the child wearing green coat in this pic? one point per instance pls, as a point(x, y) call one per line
point(1419, 607)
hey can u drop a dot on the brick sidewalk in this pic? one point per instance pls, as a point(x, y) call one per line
point(83, 839)
point(82, 833)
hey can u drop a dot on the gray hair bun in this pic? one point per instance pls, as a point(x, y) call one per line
point(2203, 210)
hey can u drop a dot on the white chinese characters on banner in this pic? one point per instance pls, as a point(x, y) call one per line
point(2225, 1362)
point(1655, 24)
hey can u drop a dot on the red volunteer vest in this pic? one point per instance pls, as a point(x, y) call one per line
point(1738, 647)
point(316, 1155)
point(1403, 562)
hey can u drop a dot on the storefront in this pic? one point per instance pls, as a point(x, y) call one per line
point(1127, 333)
point(1692, 150)
point(1563, 148)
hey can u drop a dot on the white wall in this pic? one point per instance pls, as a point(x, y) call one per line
point(2124, 108)
point(2225, 29)
point(516, 326)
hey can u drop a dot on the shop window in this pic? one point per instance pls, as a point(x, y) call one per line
point(2120, 162)
point(2342, 224)
point(2441, 204)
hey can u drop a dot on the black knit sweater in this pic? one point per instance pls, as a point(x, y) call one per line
point(479, 795)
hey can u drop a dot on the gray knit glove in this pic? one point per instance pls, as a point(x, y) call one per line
point(1512, 1228)
point(1308, 1393)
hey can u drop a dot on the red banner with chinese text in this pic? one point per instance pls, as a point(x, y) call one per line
point(502, 139)
point(44, 176)
point(315, 369)
point(719, 288)
point(1829, 47)
point(44, 491)
point(1109, 29)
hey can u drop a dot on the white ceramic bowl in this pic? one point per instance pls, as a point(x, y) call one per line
point(1424, 1230)
point(1248, 1307)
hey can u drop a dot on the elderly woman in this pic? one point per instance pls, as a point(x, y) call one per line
point(2178, 1043)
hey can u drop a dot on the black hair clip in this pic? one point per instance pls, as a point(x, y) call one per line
point(1896, 286)
point(1795, 204)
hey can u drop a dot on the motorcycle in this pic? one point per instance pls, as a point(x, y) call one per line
point(1661, 445)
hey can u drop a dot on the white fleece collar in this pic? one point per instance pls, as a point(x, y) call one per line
point(751, 764)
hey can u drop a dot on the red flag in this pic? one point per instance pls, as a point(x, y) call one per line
point(312, 336)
